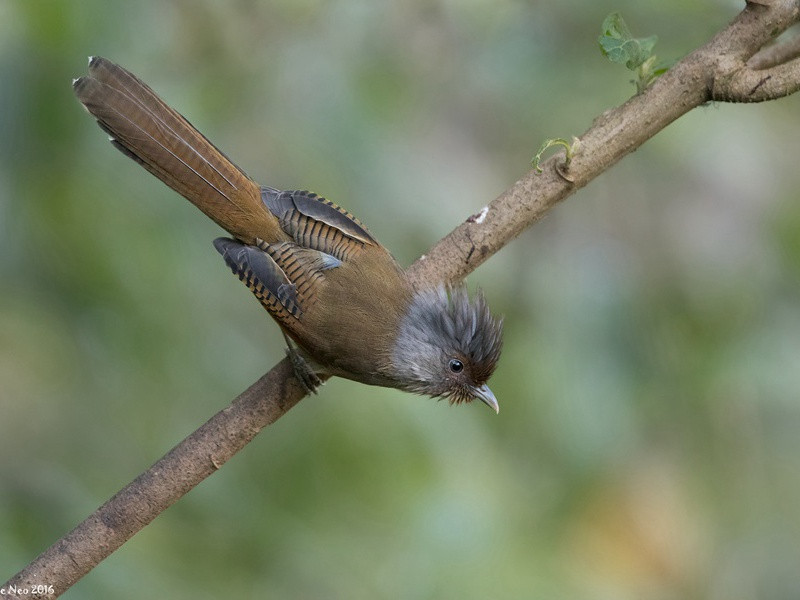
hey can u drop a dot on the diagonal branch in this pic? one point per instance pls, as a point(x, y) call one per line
point(716, 71)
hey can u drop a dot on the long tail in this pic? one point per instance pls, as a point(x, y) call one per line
point(144, 128)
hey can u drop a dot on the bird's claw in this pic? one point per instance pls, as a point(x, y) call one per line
point(303, 371)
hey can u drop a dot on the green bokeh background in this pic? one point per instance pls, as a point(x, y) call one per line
point(647, 446)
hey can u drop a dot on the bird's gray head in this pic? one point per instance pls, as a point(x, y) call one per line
point(448, 346)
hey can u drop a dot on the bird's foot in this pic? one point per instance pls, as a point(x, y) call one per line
point(302, 369)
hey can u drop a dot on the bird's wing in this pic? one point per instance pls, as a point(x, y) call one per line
point(283, 276)
point(317, 223)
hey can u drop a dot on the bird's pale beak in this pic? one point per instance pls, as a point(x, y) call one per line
point(485, 395)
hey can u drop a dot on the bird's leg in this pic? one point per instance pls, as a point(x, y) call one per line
point(302, 370)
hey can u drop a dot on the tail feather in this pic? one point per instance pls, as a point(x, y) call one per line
point(156, 136)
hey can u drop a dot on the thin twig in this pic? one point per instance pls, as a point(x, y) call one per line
point(776, 54)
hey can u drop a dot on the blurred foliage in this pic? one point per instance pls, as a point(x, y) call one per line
point(647, 445)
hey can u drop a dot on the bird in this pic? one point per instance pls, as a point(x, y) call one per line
point(345, 306)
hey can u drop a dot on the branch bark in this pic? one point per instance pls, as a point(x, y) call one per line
point(717, 71)
point(776, 54)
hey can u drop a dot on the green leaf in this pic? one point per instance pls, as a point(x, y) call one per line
point(571, 149)
point(619, 46)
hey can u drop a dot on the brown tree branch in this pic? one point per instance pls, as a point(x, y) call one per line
point(717, 71)
point(615, 133)
point(776, 54)
point(751, 85)
point(181, 469)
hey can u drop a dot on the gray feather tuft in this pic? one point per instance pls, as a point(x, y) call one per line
point(442, 324)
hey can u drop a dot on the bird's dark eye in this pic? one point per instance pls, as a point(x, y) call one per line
point(456, 366)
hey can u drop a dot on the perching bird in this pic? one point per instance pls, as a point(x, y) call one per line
point(330, 285)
